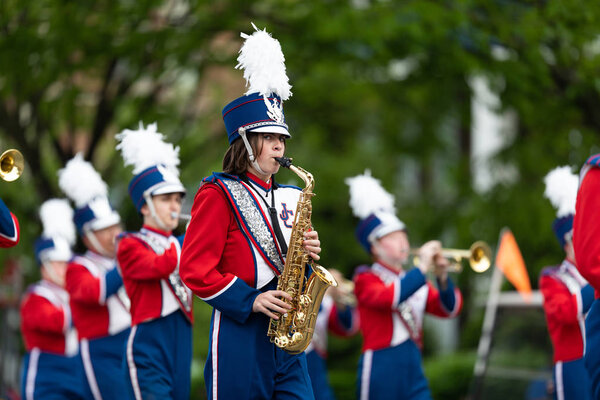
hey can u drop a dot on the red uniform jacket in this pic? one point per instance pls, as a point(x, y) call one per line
point(392, 304)
point(567, 297)
point(586, 223)
point(99, 305)
point(146, 272)
point(221, 262)
point(46, 319)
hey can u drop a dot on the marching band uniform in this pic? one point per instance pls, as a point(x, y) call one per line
point(99, 305)
point(586, 232)
point(392, 304)
point(342, 321)
point(51, 369)
point(9, 227)
point(231, 254)
point(159, 348)
point(567, 295)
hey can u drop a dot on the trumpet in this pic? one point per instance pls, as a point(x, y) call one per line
point(479, 256)
point(11, 165)
point(345, 292)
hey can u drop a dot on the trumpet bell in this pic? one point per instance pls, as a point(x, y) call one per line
point(11, 165)
point(481, 256)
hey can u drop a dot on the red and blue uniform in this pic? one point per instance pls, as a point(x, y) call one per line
point(9, 227)
point(229, 257)
point(567, 298)
point(100, 311)
point(341, 322)
point(159, 347)
point(586, 242)
point(391, 307)
point(51, 369)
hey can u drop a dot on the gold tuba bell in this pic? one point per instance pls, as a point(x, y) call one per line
point(479, 256)
point(11, 165)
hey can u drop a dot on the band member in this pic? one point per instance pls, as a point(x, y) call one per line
point(567, 295)
point(338, 315)
point(9, 227)
point(391, 300)
point(51, 369)
point(586, 231)
point(159, 349)
point(236, 242)
point(99, 304)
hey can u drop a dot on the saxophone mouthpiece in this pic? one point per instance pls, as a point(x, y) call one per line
point(284, 161)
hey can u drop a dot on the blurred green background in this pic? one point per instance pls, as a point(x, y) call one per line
point(459, 107)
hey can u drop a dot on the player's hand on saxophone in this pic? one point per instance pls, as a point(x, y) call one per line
point(270, 303)
point(312, 244)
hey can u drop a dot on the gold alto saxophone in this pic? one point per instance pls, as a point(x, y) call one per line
point(293, 331)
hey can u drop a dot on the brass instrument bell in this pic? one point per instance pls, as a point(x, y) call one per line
point(479, 256)
point(11, 165)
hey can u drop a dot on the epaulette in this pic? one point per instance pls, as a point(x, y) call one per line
point(548, 271)
point(594, 161)
point(127, 234)
point(361, 269)
point(216, 176)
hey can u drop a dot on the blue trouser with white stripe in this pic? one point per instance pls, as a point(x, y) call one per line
point(317, 370)
point(102, 360)
point(243, 363)
point(392, 373)
point(159, 358)
point(592, 347)
point(49, 376)
point(571, 380)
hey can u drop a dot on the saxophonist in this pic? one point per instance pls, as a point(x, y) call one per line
point(236, 241)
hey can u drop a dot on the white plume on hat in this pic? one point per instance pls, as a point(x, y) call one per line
point(561, 190)
point(81, 182)
point(57, 220)
point(145, 147)
point(368, 196)
point(263, 63)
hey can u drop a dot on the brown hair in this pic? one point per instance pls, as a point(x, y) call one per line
point(236, 160)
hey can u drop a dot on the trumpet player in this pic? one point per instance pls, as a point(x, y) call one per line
point(51, 368)
point(567, 295)
point(100, 313)
point(234, 247)
point(159, 347)
point(392, 300)
point(9, 227)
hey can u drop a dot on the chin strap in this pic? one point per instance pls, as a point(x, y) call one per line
point(159, 222)
point(89, 234)
point(242, 132)
point(52, 275)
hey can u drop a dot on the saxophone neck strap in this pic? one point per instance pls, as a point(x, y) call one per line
point(272, 212)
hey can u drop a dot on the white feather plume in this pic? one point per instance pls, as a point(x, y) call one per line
point(263, 63)
point(367, 196)
point(80, 181)
point(57, 220)
point(145, 147)
point(561, 190)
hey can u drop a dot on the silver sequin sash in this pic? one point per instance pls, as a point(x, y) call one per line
point(569, 281)
point(177, 286)
point(408, 318)
point(253, 222)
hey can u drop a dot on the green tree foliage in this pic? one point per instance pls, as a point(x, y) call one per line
point(382, 85)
